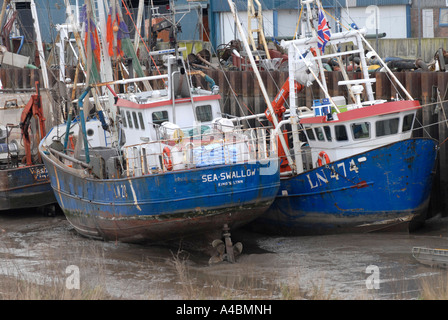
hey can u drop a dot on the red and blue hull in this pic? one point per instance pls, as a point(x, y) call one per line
point(387, 188)
point(158, 207)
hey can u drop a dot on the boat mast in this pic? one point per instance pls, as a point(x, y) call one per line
point(40, 48)
point(309, 19)
point(260, 81)
point(106, 70)
point(141, 6)
point(74, 25)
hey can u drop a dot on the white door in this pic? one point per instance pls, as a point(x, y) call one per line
point(428, 23)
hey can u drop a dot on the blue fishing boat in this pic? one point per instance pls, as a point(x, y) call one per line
point(169, 166)
point(357, 166)
point(24, 181)
point(387, 188)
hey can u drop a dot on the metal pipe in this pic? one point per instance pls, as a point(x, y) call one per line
point(387, 69)
point(63, 155)
point(126, 81)
point(67, 130)
point(260, 80)
point(83, 121)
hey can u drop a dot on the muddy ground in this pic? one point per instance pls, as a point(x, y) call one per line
point(46, 251)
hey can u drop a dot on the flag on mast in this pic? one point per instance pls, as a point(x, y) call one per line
point(323, 32)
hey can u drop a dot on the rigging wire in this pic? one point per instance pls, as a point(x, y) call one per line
point(235, 95)
point(139, 34)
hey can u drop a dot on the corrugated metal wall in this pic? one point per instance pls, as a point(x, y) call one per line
point(429, 3)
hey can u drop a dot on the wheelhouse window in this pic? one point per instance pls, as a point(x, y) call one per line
point(341, 133)
point(310, 134)
point(204, 113)
point(142, 123)
point(128, 116)
point(360, 130)
point(407, 122)
point(327, 131)
point(159, 117)
point(319, 134)
point(123, 119)
point(386, 127)
point(134, 117)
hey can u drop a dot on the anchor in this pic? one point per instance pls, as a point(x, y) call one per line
point(225, 250)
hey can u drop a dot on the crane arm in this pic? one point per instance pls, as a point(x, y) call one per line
point(280, 99)
point(32, 109)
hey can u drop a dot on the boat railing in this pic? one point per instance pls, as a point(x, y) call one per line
point(417, 251)
point(203, 150)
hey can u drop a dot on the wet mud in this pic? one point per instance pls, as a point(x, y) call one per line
point(43, 250)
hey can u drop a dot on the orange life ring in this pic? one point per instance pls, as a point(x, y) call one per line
point(167, 162)
point(323, 156)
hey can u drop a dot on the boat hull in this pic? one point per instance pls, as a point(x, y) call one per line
point(25, 187)
point(387, 188)
point(431, 257)
point(171, 205)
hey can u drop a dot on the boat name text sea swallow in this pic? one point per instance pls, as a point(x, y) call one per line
point(228, 175)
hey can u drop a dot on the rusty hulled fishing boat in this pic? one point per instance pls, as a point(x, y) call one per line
point(168, 167)
point(24, 181)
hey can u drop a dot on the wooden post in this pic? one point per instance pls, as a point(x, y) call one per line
point(247, 93)
point(224, 90)
point(382, 86)
point(442, 177)
point(428, 80)
point(235, 83)
point(273, 82)
point(413, 80)
point(394, 89)
point(259, 103)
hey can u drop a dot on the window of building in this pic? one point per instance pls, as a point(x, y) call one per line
point(360, 130)
point(386, 127)
point(443, 17)
point(341, 133)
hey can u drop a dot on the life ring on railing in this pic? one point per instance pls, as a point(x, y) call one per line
point(167, 162)
point(323, 156)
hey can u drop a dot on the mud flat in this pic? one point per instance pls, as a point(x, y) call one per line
point(43, 257)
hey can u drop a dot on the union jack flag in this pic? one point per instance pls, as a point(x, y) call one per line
point(323, 32)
